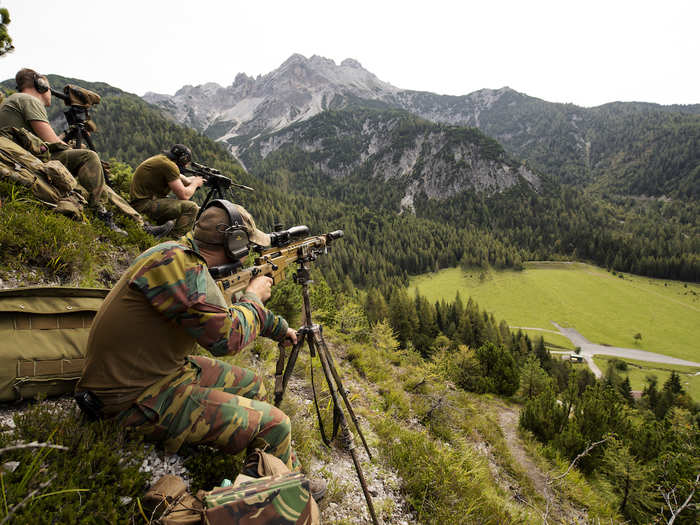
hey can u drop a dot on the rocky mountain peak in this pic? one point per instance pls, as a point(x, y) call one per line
point(351, 62)
point(297, 90)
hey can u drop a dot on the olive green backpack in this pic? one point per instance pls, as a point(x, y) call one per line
point(43, 338)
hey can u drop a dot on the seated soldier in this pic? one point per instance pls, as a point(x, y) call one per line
point(27, 109)
point(157, 176)
point(138, 367)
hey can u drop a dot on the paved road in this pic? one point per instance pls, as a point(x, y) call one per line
point(588, 350)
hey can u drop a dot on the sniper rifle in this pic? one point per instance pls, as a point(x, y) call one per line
point(216, 181)
point(286, 248)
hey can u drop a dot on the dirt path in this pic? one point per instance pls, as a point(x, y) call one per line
point(556, 510)
point(508, 421)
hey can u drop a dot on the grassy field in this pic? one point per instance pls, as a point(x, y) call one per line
point(638, 371)
point(604, 308)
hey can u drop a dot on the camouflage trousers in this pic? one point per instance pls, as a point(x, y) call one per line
point(85, 166)
point(162, 210)
point(209, 402)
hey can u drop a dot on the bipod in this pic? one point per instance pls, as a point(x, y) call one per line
point(214, 191)
point(312, 334)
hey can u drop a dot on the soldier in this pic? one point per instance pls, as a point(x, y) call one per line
point(157, 176)
point(139, 370)
point(27, 109)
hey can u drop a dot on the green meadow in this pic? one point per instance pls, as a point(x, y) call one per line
point(638, 371)
point(605, 308)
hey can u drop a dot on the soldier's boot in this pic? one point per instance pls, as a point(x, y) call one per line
point(106, 217)
point(159, 231)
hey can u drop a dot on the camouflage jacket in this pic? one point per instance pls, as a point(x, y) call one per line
point(164, 303)
point(174, 277)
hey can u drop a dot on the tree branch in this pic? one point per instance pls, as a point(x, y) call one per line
point(667, 499)
point(582, 454)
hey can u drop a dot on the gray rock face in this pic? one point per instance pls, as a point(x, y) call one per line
point(299, 89)
point(432, 162)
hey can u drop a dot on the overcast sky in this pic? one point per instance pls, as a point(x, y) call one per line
point(586, 52)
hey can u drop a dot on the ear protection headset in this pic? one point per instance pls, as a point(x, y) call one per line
point(41, 84)
point(181, 155)
point(236, 240)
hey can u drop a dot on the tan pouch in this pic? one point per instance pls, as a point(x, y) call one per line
point(59, 176)
point(169, 501)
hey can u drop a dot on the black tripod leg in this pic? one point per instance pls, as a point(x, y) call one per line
point(281, 380)
point(323, 349)
point(346, 435)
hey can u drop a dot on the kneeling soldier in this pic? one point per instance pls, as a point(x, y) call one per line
point(138, 364)
point(157, 176)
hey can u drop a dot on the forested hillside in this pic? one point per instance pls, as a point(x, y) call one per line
point(546, 221)
point(629, 148)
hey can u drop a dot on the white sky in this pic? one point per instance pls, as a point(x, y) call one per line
point(587, 52)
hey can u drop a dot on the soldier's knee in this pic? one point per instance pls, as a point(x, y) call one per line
point(283, 423)
point(189, 208)
point(259, 388)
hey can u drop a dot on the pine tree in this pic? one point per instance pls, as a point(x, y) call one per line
point(632, 480)
point(533, 379)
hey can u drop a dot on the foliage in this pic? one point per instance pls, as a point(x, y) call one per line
point(5, 40)
point(36, 239)
point(96, 480)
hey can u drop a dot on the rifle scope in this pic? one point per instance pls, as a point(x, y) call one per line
point(284, 237)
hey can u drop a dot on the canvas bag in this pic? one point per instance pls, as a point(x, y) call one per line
point(43, 339)
point(168, 501)
point(50, 182)
point(278, 497)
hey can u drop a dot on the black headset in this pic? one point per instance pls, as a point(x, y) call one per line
point(180, 154)
point(41, 84)
point(236, 243)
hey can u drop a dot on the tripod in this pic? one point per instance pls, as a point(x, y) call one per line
point(214, 191)
point(77, 117)
point(312, 334)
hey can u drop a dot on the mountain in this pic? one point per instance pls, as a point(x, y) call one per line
point(628, 148)
point(392, 147)
point(299, 89)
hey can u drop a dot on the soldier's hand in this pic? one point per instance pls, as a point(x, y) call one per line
point(197, 180)
point(291, 337)
point(260, 286)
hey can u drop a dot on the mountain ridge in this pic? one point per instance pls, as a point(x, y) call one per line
point(577, 145)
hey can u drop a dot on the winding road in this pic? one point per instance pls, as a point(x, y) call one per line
point(588, 350)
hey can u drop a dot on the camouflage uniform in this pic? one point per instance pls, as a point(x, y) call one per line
point(162, 210)
point(139, 367)
point(85, 165)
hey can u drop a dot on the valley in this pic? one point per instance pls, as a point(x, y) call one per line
point(606, 309)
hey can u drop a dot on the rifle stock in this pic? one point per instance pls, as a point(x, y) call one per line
point(272, 262)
